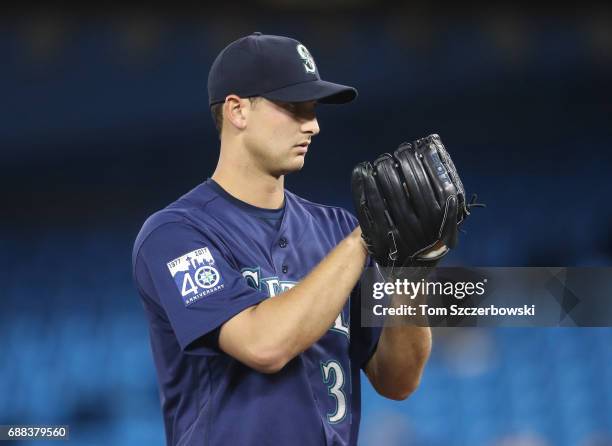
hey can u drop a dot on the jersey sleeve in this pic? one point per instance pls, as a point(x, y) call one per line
point(192, 277)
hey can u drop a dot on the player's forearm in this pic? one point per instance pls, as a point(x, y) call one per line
point(300, 316)
point(396, 368)
point(283, 326)
point(404, 346)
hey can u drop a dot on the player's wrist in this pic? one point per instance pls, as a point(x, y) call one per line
point(356, 239)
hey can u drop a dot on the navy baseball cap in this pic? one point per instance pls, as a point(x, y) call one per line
point(275, 67)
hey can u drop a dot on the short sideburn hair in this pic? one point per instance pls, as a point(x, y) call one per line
point(217, 113)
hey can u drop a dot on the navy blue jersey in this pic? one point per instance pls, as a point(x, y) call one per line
point(204, 259)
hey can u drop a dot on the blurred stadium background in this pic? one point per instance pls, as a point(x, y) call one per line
point(104, 120)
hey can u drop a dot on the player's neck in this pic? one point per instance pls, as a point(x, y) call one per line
point(251, 186)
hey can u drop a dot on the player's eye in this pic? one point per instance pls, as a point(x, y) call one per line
point(290, 106)
point(299, 109)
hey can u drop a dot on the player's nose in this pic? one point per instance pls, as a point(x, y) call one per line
point(311, 126)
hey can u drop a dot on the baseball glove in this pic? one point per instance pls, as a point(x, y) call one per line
point(410, 204)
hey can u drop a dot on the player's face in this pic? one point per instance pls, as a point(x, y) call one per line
point(278, 134)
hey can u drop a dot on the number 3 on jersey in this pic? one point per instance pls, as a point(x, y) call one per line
point(333, 377)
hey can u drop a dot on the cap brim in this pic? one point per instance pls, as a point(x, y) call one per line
point(318, 90)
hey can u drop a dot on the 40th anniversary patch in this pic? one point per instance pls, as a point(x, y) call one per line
point(195, 275)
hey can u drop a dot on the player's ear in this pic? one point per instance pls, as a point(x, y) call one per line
point(235, 111)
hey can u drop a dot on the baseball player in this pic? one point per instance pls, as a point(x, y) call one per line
point(251, 292)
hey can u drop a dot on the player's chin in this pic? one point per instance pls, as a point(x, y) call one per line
point(298, 162)
point(294, 165)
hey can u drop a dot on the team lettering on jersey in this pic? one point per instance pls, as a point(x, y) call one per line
point(274, 286)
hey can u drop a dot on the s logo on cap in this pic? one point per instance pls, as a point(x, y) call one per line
point(309, 64)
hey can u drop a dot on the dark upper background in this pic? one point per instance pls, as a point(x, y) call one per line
point(105, 114)
point(104, 120)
